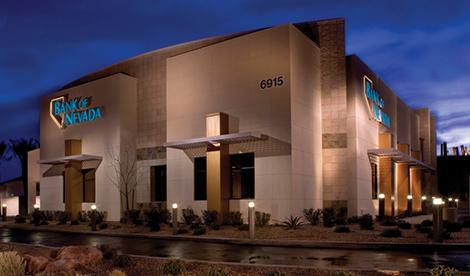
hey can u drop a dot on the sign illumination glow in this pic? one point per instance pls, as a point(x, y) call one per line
point(73, 112)
point(376, 103)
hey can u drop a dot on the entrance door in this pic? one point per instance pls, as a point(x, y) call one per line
point(158, 183)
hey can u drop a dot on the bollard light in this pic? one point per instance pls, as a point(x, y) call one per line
point(93, 207)
point(251, 219)
point(423, 204)
point(437, 201)
point(424, 197)
point(93, 217)
point(4, 212)
point(381, 196)
point(174, 218)
point(409, 197)
point(381, 206)
point(457, 203)
point(36, 206)
point(409, 207)
point(437, 218)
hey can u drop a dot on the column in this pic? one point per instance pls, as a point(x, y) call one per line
point(73, 179)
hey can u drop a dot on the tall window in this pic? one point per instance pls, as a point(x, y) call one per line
point(242, 175)
point(158, 183)
point(375, 182)
point(200, 181)
point(88, 185)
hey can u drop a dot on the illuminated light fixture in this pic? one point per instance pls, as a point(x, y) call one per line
point(93, 207)
point(381, 196)
point(437, 201)
point(450, 199)
point(392, 198)
point(251, 204)
point(36, 206)
point(409, 197)
point(424, 198)
point(433, 197)
point(4, 205)
point(456, 200)
point(174, 206)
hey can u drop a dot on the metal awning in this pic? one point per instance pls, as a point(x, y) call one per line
point(67, 159)
point(232, 138)
point(399, 157)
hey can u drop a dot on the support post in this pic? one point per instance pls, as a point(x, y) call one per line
point(174, 218)
point(381, 206)
point(251, 219)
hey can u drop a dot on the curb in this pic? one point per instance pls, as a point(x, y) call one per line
point(272, 242)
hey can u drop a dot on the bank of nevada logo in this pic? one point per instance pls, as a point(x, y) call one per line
point(375, 103)
point(67, 112)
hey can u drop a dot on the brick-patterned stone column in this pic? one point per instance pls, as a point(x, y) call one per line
point(386, 182)
point(416, 177)
point(403, 187)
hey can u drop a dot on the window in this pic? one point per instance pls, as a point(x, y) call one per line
point(242, 181)
point(88, 185)
point(200, 181)
point(158, 183)
point(375, 182)
point(38, 189)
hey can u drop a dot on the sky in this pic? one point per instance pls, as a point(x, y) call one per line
point(419, 48)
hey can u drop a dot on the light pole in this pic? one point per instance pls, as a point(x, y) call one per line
point(251, 219)
point(437, 218)
point(174, 217)
point(93, 217)
point(423, 204)
point(4, 212)
point(381, 206)
point(409, 207)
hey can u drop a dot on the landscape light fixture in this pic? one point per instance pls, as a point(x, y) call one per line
point(174, 206)
point(174, 218)
point(36, 206)
point(93, 207)
point(251, 219)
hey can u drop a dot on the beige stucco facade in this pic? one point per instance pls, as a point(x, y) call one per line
point(310, 131)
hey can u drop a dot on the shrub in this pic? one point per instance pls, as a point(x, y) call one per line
point(215, 226)
point(262, 219)
point(292, 222)
point(133, 215)
point(174, 267)
point(234, 219)
point(82, 216)
point(199, 231)
point(276, 273)
point(196, 223)
point(61, 217)
point(391, 233)
point(12, 264)
point(445, 235)
point(342, 229)
point(154, 228)
point(442, 270)
point(244, 227)
point(403, 224)
point(341, 216)
point(189, 216)
point(388, 221)
point(117, 272)
point(328, 217)
point(182, 231)
point(312, 215)
point(216, 271)
point(74, 222)
point(20, 219)
point(453, 226)
point(209, 217)
point(103, 226)
point(122, 260)
point(366, 222)
point(107, 251)
point(155, 216)
point(353, 220)
point(427, 223)
point(423, 229)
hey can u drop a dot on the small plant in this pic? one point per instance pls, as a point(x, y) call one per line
point(442, 270)
point(61, 217)
point(423, 229)
point(209, 217)
point(103, 226)
point(391, 233)
point(215, 226)
point(353, 220)
point(276, 273)
point(244, 227)
point(37, 217)
point(199, 231)
point(312, 215)
point(403, 224)
point(134, 216)
point(12, 264)
point(20, 219)
point(342, 229)
point(453, 226)
point(154, 228)
point(366, 222)
point(388, 221)
point(216, 271)
point(341, 216)
point(292, 222)
point(117, 272)
point(75, 222)
point(234, 218)
point(328, 217)
point(174, 267)
point(262, 219)
point(122, 260)
point(182, 231)
point(427, 223)
point(189, 216)
point(157, 215)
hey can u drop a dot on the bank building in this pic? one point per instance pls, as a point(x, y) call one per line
point(279, 116)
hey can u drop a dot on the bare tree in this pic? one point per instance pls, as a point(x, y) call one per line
point(124, 176)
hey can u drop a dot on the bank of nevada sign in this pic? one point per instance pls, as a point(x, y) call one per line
point(375, 103)
point(67, 112)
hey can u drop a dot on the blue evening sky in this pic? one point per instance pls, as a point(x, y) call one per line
point(421, 49)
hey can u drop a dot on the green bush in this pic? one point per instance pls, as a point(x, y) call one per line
point(215, 226)
point(180, 231)
point(12, 264)
point(61, 217)
point(423, 229)
point(20, 219)
point(388, 221)
point(342, 229)
point(174, 267)
point(209, 217)
point(155, 216)
point(75, 222)
point(276, 273)
point(134, 216)
point(262, 219)
point(199, 231)
point(189, 216)
point(366, 222)
point(353, 220)
point(445, 235)
point(216, 271)
point(391, 233)
point(312, 215)
point(328, 217)
point(442, 270)
point(103, 226)
point(121, 260)
point(233, 218)
point(36, 217)
point(427, 223)
point(403, 224)
point(341, 216)
point(292, 222)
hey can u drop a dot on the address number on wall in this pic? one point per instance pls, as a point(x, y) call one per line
point(271, 82)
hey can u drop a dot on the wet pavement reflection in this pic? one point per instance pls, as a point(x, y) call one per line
point(319, 258)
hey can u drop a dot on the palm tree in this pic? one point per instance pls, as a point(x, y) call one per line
point(20, 148)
